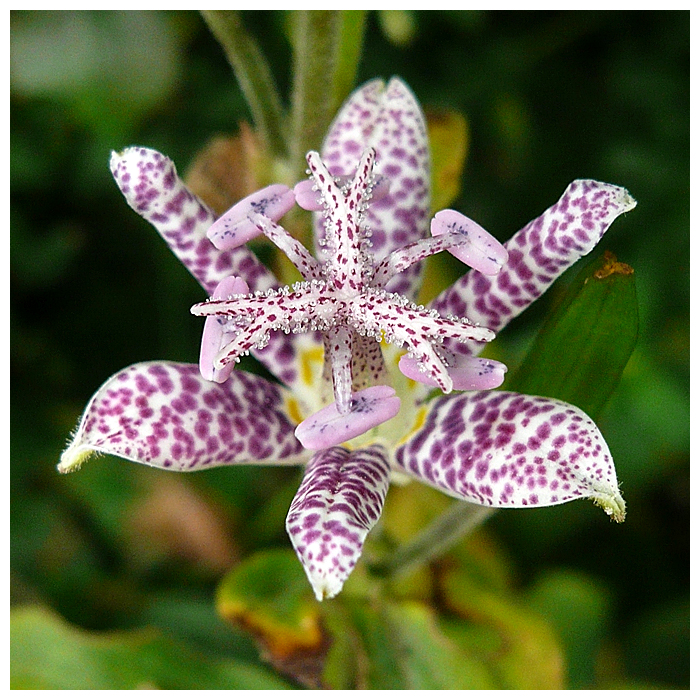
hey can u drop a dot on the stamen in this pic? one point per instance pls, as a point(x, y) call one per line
point(217, 334)
point(344, 298)
point(368, 409)
point(467, 373)
point(235, 227)
point(480, 249)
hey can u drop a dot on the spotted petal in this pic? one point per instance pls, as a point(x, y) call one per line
point(163, 414)
point(537, 255)
point(508, 450)
point(389, 120)
point(339, 501)
point(150, 183)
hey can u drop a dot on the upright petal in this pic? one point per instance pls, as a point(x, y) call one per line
point(150, 183)
point(339, 501)
point(163, 414)
point(537, 255)
point(508, 450)
point(388, 119)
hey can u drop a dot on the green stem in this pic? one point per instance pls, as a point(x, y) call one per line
point(441, 535)
point(254, 76)
point(317, 40)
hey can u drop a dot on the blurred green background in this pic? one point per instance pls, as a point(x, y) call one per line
point(549, 97)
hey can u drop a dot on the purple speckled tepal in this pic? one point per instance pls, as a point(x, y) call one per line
point(339, 501)
point(387, 118)
point(166, 415)
point(537, 255)
point(150, 183)
point(506, 450)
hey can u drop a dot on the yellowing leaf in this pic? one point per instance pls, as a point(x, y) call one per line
point(269, 597)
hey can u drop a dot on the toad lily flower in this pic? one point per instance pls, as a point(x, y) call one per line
point(356, 358)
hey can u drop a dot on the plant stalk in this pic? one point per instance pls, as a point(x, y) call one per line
point(441, 535)
point(254, 76)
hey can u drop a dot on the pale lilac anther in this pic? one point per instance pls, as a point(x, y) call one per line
point(235, 228)
point(537, 255)
point(215, 336)
point(368, 409)
point(467, 373)
point(388, 119)
point(338, 503)
point(507, 450)
point(480, 250)
point(165, 415)
point(307, 196)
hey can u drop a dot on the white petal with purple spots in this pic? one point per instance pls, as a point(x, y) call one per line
point(163, 414)
point(537, 255)
point(150, 183)
point(388, 119)
point(338, 502)
point(508, 450)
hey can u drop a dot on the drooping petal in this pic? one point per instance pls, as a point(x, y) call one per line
point(537, 255)
point(389, 120)
point(481, 251)
point(508, 450)
point(163, 414)
point(235, 228)
point(467, 374)
point(150, 183)
point(339, 501)
point(368, 409)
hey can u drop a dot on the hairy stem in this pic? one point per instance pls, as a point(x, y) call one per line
point(254, 76)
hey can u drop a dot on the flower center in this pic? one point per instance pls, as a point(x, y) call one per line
point(342, 297)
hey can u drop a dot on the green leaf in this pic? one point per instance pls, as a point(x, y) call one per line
point(377, 646)
point(49, 654)
point(585, 343)
point(428, 658)
point(269, 597)
point(383, 645)
point(516, 643)
point(448, 132)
